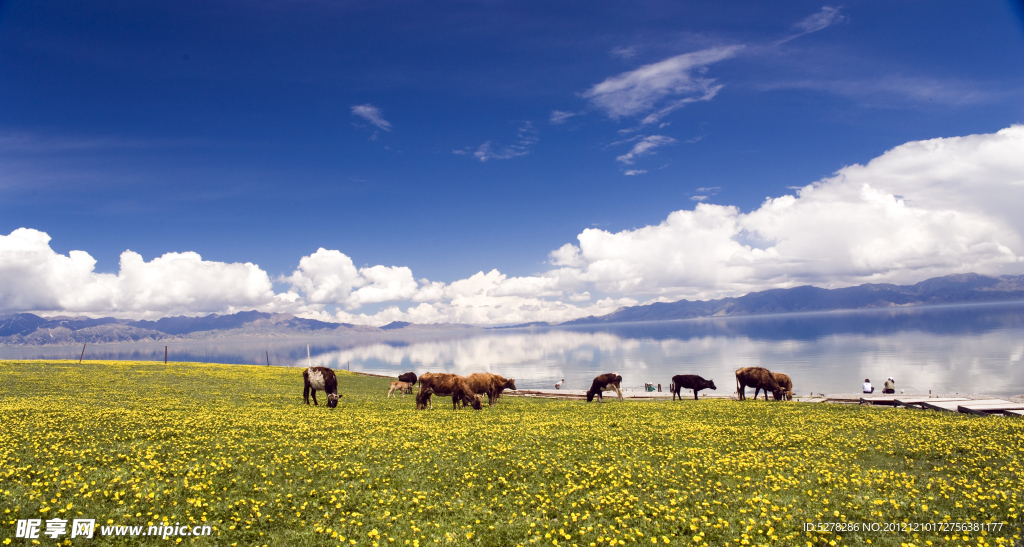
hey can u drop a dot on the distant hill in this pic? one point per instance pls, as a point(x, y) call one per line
point(950, 289)
point(26, 329)
point(31, 330)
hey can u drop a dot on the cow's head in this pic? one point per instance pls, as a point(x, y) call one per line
point(778, 394)
point(711, 384)
point(332, 400)
point(510, 384)
point(474, 401)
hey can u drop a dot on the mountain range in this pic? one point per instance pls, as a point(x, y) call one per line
point(26, 329)
point(950, 289)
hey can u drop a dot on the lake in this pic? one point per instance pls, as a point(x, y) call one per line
point(945, 349)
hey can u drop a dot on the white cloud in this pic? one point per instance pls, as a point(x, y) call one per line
point(559, 116)
point(920, 210)
point(634, 172)
point(330, 277)
point(371, 114)
point(825, 18)
point(33, 277)
point(665, 85)
point(526, 135)
point(645, 147)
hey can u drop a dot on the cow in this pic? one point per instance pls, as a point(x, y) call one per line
point(450, 385)
point(490, 384)
point(758, 378)
point(322, 379)
point(605, 382)
point(785, 384)
point(423, 399)
point(408, 377)
point(690, 381)
point(402, 387)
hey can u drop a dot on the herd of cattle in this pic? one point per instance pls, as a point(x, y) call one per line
point(467, 390)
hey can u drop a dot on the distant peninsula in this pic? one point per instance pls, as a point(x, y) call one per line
point(27, 329)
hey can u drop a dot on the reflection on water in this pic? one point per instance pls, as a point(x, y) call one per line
point(965, 349)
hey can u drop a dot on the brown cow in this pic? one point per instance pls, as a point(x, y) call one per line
point(322, 379)
point(758, 378)
point(785, 384)
point(403, 387)
point(423, 399)
point(605, 382)
point(491, 384)
point(453, 385)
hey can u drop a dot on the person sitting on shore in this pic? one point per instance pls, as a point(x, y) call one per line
point(890, 386)
point(558, 385)
point(868, 388)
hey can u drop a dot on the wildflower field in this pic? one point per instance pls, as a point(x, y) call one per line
point(233, 447)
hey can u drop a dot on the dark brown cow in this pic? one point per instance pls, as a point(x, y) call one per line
point(785, 384)
point(491, 384)
point(758, 378)
point(408, 377)
point(689, 381)
point(605, 382)
point(323, 379)
point(450, 385)
point(423, 399)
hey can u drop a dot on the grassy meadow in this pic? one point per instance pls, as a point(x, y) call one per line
point(233, 447)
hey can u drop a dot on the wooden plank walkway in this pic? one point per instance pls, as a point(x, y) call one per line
point(987, 409)
point(885, 400)
point(954, 406)
point(917, 402)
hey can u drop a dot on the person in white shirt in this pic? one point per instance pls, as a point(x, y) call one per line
point(558, 385)
point(868, 388)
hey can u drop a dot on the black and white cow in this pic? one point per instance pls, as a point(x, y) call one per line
point(320, 379)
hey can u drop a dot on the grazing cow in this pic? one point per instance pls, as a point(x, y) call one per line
point(450, 385)
point(491, 384)
point(322, 379)
point(408, 377)
point(403, 387)
point(689, 381)
point(423, 399)
point(758, 378)
point(785, 384)
point(605, 382)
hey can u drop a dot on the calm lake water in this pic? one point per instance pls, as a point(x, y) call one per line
point(946, 349)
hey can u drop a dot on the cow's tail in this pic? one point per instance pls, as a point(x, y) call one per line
point(739, 393)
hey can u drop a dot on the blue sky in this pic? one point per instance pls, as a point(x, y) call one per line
point(463, 137)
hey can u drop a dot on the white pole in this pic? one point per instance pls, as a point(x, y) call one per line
point(309, 362)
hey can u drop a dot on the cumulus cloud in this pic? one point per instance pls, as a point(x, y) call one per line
point(645, 147)
point(371, 114)
point(33, 277)
point(330, 277)
point(660, 87)
point(920, 210)
point(634, 172)
point(923, 209)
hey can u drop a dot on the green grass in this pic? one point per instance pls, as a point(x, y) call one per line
point(233, 447)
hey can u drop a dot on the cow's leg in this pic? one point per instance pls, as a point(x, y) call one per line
point(315, 403)
point(619, 392)
point(695, 395)
point(305, 394)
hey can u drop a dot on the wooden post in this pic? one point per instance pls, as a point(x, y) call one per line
point(165, 355)
point(80, 357)
point(268, 358)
